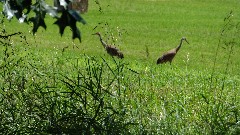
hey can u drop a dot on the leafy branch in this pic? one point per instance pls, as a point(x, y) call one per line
point(21, 9)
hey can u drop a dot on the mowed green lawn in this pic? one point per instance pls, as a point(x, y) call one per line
point(160, 24)
point(182, 98)
point(156, 24)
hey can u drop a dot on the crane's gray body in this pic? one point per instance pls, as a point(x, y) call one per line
point(113, 51)
point(169, 55)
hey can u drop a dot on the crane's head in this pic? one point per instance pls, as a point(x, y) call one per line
point(184, 39)
point(98, 33)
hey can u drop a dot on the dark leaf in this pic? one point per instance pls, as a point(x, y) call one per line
point(65, 20)
point(76, 33)
point(40, 7)
point(50, 10)
point(76, 16)
point(16, 7)
point(25, 4)
point(62, 22)
point(37, 22)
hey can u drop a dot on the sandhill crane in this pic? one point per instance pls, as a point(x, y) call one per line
point(111, 50)
point(169, 55)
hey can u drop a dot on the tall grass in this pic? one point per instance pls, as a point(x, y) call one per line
point(92, 95)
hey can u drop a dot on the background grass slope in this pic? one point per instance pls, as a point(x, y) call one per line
point(159, 25)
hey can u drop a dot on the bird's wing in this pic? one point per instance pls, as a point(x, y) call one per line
point(113, 48)
point(173, 51)
point(170, 54)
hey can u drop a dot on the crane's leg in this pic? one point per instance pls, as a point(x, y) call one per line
point(171, 64)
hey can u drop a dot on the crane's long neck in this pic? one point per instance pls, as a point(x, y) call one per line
point(177, 49)
point(101, 40)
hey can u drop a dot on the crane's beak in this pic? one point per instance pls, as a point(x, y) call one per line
point(186, 41)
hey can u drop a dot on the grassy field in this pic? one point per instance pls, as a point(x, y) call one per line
point(157, 25)
point(84, 90)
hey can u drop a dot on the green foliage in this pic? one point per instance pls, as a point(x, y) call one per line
point(69, 17)
point(40, 9)
point(16, 7)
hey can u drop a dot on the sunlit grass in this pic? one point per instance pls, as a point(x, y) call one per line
point(156, 24)
point(44, 92)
